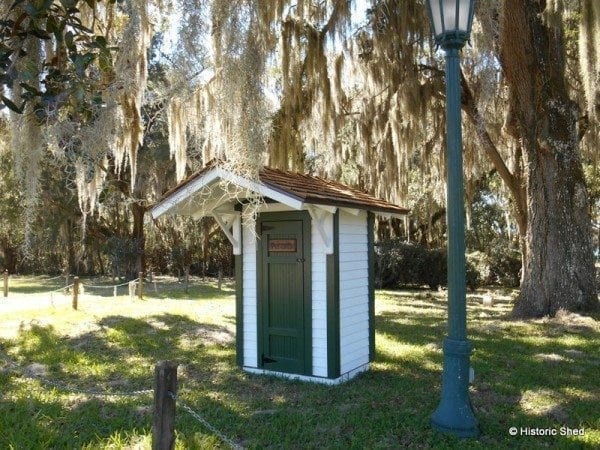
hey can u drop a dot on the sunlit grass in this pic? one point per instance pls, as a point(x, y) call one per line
point(540, 373)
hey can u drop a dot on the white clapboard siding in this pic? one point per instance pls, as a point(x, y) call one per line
point(351, 229)
point(250, 321)
point(354, 291)
point(356, 265)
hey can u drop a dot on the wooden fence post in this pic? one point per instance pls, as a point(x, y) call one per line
point(6, 283)
point(163, 427)
point(141, 286)
point(75, 292)
point(220, 279)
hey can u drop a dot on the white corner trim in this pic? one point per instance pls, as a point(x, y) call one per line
point(310, 379)
point(231, 224)
point(237, 233)
point(322, 221)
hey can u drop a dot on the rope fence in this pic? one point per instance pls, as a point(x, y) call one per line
point(56, 291)
point(131, 285)
point(108, 286)
point(64, 288)
point(187, 408)
point(66, 276)
point(165, 401)
point(78, 289)
point(134, 288)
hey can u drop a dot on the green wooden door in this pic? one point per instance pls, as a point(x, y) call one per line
point(284, 305)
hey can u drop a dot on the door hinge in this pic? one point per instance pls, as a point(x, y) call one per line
point(267, 360)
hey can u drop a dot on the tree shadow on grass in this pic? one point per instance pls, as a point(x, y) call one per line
point(30, 418)
point(117, 356)
point(389, 406)
point(122, 349)
point(297, 414)
point(528, 374)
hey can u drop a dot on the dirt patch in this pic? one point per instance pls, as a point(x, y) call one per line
point(213, 335)
point(36, 370)
point(491, 328)
point(544, 402)
point(575, 353)
point(549, 357)
point(569, 322)
point(158, 324)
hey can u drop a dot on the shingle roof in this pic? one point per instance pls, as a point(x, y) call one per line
point(321, 191)
point(308, 189)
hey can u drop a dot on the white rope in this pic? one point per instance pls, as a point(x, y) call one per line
point(56, 277)
point(56, 290)
point(109, 286)
point(234, 445)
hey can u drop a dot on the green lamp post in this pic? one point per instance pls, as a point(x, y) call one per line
point(451, 20)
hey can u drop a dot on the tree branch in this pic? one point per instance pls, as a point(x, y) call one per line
point(485, 141)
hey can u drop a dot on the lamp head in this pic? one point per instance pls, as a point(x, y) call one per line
point(451, 21)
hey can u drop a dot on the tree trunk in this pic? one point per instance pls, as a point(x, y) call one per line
point(10, 256)
point(100, 261)
point(138, 211)
point(71, 257)
point(558, 268)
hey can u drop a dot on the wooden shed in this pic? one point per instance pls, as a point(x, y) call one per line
point(304, 268)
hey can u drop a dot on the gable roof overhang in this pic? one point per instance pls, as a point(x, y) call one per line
point(205, 193)
point(194, 197)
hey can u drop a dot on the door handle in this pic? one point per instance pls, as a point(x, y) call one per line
point(267, 360)
point(300, 260)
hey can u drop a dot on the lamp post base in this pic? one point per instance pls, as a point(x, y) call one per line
point(454, 414)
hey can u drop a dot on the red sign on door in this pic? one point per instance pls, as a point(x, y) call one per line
point(282, 245)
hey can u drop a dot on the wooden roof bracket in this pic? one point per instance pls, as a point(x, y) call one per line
point(231, 224)
point(322, 219)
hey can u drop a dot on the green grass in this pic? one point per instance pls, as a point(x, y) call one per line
point(541, 373)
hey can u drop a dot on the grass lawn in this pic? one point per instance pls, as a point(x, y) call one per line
point(536, 374)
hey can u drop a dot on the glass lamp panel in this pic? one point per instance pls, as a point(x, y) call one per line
point(463, 15)
point(449, 13)
point(436, 17)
